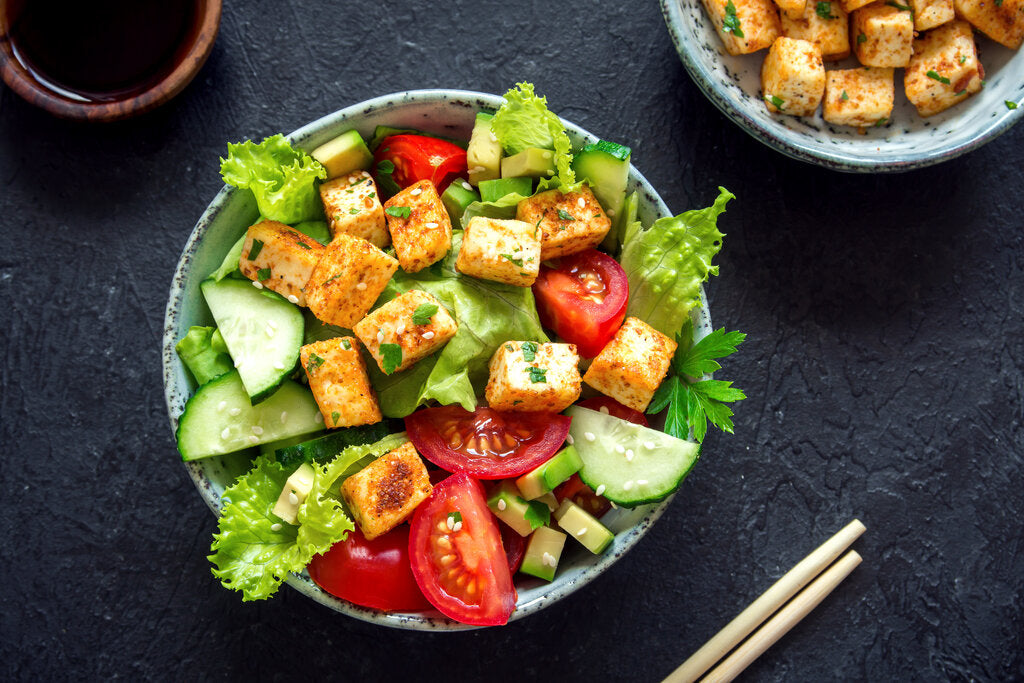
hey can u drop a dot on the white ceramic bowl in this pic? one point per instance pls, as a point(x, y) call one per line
point(907, 141)
point(447, 112)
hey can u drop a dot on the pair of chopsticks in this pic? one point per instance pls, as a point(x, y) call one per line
point(765, 606)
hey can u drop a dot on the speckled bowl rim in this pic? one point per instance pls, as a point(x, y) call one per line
point(174, 393)
point(812, 154)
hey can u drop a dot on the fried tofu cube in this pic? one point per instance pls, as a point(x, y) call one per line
point(531, 377)
point(337, 377)
point(280, 258)
point(756, 20)
point(859, 97)
point(826, 25)
point(793, 77)
point(383, 494)
point(569, 223)
point(944, 69)
point(632, 365)
point(929, 14)
point(353, 207)
point(850, 5)
point(500, 250)
point(423, 234)
point(349, 277)
point(415, 321)
point(883, 35)
point(1003, 21)
point(794, 9)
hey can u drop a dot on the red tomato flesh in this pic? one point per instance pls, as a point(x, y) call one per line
point(373, 573)
point(575, 490)
point(460, 565)
point(583, 299)
point(486, 443)
point(515, 547)
point(419, 157)
point(604, 404)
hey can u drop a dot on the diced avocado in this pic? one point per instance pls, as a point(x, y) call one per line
point(344, 154)
point(483, 156)
point(605, 167)
point(534, 162)
point(543, 551)
point(295, 490)
point(547, 476)
point(511, 508)
point(456, 198)
point(318, 230)
point(493, 190)
point(582, 526)
point(201, 357)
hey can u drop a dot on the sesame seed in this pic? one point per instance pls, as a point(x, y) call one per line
point(271, 324)
point(649, 445)
point(603, 410)
point(361, 286)
point(614, 506)
point(550, 172)
point(548, 559)
point(477, 169)
point(600, 490)
point(416, 191)
point(569, 440)
point(620, 449)
point(641, 482)
point(467, 186)
point(430, 226)
point(225, 434)
point(581, 202)
point(501, 504)
point(257, 284)
point(278, 365)
point(380, 336)
point(547, 154)
point(257, 430)
point(400, 329)
point(450, 522)
point(292, 498)
point(457, 527)
point(294, 299)
point(627, 486)
point(284, 416)
point(269, 331)
point(494, 138)
point(429, 334)
point(582, 531)
point(589, 436)
point(365, 174)
point(235, 412)
point(629, 454)
point(221, 406)
point(610, 212)
point(254, 439)
point(276, 526)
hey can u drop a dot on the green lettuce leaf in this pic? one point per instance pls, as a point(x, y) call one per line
point(489, 313)
point(197, 351)
point(504, 208)
point(282, 178)
point(229, 266)
point(253, 550)
point(667, 263)
point(524, 121)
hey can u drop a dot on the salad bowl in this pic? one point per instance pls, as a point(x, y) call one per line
point(445, 112)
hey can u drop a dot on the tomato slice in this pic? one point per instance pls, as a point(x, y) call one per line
point(515, 547)
point(373, 573)
point(575, 490)
point(459, 564)
point(583, 299)
point(486, 443)
point(419, 157)
point(610, 406)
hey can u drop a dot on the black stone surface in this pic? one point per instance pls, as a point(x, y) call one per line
point(884, 369)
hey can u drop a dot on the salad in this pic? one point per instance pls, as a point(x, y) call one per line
point(447, 353)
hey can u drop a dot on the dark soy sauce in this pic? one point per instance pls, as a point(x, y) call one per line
point(100, 50)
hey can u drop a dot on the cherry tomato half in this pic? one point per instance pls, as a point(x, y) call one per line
point(515, 547)
point(373, 573)
point(583, 299)
point(608, 405)
point(418, 157)
point(460, 566)
point(575, 490)
point(486, 443)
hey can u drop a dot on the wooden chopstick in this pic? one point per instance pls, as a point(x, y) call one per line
point(786, 618)
point(769, 601)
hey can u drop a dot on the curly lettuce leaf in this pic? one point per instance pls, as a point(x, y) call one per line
point(282, 178)
point(524, 121)
point(489, 313)
point(253, 550)
point(667, 263)
point(199, 354)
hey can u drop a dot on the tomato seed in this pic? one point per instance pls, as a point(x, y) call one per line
point(447, 559)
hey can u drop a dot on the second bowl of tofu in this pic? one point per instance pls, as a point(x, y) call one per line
point(855, 85)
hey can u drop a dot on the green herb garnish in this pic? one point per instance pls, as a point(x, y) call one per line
point(529, 351)
point(936, 76)
point(398, 211)
point(263, 274)
point(565, 215)
point(516, 261)
point(454, 517)
point(255, 250)
point(963, 58)
point(537, 375)
point(861, 38)
point(880, 122)
point(423, 314)
point(334, 417)
point(390, 357)
point(844, 97)
point(824, 10)
point(731, 22)
point(537, 513)
point(1010, 104)
point(313, 363)
point(776, 100)
point(385, 167)
point(353, 212)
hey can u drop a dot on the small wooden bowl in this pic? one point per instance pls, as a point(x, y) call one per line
point(22, 82)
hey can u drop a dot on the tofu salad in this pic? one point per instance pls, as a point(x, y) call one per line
point(406, 333)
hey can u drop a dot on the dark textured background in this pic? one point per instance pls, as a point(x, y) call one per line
point(884, 369)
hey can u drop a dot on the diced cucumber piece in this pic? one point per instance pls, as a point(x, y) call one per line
point(627, 463)
point(274, 446)
point(483, 155)
point(456, 198)
point(327, 447)
point(549, 500)
point(263, 332)
point(533, 162)
point(219, 419)
point(203, 360)
point(605, 167)
point(493, 190)
point(543, 552)
point(511, 508)
point(582, 526)
point(547, 476)
point(295, 491)
point(343, 154)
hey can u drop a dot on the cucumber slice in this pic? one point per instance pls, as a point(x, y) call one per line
point(327, 447)
point(612, 242)
point(211, 426)
point(605, 167)
point(263, 332)
point(651, 465)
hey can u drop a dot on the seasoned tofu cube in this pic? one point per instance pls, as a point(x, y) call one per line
point(420, 227)
point(384, 493)
point(883, 35)
point(531, 377)
point(944, 69)
point(632, 365)
point(793, 77)
point(337, 377)
point(794, 9)
point(416, 322)
point(859, 97)
point(826, 25)
point(744, 26)
point(569, 223)
point(931, 13)
point(850, 5)
point(501, 250)
point(349, 277)
point(280, 258)
point(1003, 21)
point(353, 207)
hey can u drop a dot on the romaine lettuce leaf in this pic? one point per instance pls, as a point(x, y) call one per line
point(524, 121)
point(199, 355)
point(667, 263)
point(489, 313)
point(253, 550)
point(504, 208)
point(281, 177)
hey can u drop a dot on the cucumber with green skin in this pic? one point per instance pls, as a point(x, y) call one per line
point(327, 447)
point(605, 167)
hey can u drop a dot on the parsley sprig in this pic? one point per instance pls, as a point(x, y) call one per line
point(731, 22)
point(693, 403)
